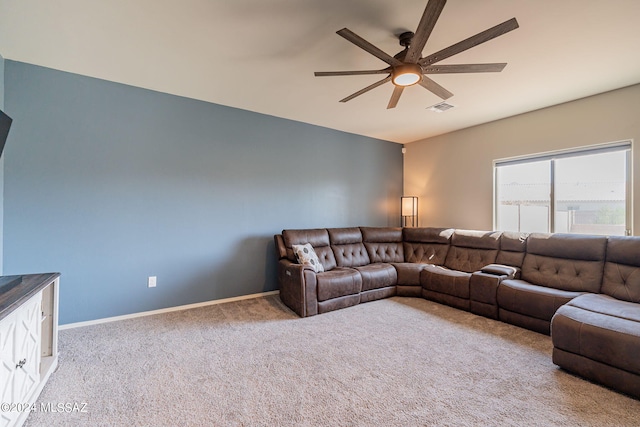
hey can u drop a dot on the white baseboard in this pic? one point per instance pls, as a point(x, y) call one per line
point(164, 310)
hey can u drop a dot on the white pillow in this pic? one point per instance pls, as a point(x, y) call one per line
point(307, 256)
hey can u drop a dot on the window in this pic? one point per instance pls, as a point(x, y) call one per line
point(585, 191)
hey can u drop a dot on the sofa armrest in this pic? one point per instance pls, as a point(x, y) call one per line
point(483, 293)
point(298, 287)
point(502, 270)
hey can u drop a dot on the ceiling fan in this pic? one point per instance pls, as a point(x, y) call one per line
point(408, 67)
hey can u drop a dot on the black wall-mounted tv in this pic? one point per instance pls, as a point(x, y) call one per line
point(5, 124)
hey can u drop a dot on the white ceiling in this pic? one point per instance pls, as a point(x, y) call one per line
point(260, 55)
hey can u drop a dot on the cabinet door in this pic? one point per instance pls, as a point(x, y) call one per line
point(7, 365)
point(27, 349)
point(20, 355)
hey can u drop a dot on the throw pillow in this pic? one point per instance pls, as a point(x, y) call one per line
point(307, 256)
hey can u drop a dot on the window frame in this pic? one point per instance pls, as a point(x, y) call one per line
point(623, 145)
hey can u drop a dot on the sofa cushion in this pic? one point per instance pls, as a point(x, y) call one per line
point(377, 275)
point(353, 255)
point(344, 236)
point(427, 245)
point(409, 272)
point(519, 296)
point(500, 270)
point(472, 250)
point(338, 282)
point(316, 237)
point(512, 248)
point(427, 253)
point(564, 274)
point(604, 304)
point(383, 244)
point(347, 246)
point(445, 281)
point(565, 261)
point(600, 328)
point(319, 240)
point(476, 239)
point(385, 252)
point(307, 256)
point(568, 246)
point(469, 260)
point(622, 269)
point(381, 234)
point(427, 235)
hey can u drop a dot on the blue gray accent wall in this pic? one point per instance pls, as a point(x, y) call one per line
point(109, 184)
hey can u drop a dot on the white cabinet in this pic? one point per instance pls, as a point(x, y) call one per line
point(28, 351)
point(20, 357)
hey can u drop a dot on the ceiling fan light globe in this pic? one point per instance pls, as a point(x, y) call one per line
point(406, 79)
point(406, 75)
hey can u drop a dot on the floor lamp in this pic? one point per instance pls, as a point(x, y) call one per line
point(409, 211)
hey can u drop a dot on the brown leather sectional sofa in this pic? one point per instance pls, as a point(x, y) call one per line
point(583, 290)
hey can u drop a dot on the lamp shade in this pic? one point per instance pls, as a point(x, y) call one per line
point(409, 210)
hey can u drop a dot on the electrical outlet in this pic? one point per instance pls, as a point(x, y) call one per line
point(151, 281)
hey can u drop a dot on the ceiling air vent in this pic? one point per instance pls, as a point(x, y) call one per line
point(440, 107)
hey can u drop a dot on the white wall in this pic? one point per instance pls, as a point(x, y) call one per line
point(452, 174)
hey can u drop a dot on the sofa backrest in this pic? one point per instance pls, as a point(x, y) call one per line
point(570, 262)
point(513, 247)
point(471, 250)
point(428, 245)
point(383, 244)
point(348, 248)
point(622, 268)
point(318, 238)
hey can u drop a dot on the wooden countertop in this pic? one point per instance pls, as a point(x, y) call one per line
point(15, 293)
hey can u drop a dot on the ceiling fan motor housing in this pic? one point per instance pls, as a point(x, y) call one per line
point(405, 38)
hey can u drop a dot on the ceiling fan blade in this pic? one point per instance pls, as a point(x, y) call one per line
point(472, 41)
point(350, 73)
point(395, 97)
point(435, 88)
point(464, 68)
point(365, 45)
point(427, 22)
point(366, 89)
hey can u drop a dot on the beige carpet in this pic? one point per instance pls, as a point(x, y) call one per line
point(394, 362)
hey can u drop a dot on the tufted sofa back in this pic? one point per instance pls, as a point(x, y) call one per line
point(622, 269)
point(472, 250)
point(428, 245)
point(561, 261)
point(512, 248)
point(383, 244)
point(569, 262)
point(348, 248)
point(318, 238)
